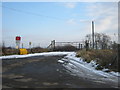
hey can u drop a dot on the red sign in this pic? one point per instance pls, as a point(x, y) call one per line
point(18, 38)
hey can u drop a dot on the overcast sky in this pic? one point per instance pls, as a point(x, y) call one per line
point(41, 22)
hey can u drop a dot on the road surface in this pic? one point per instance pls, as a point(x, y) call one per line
point(44, 72)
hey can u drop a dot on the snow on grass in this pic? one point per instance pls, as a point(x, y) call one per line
point(35, 54)
point(87, 67)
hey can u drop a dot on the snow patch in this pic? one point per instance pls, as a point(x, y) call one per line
point(35, 54)
point(79, 63)
point(60, 61)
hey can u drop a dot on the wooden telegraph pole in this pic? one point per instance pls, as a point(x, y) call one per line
point(93, 33)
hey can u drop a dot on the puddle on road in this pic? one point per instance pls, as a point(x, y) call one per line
point(49, 83)
point(24, 79)
point(13, 76)
point(99, 82)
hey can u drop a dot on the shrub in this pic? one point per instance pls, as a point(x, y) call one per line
point(65, 48)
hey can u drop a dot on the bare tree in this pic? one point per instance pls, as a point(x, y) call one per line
point(102, 41)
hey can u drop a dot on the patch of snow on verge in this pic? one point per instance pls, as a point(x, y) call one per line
point(35, 54)
point(90, 67)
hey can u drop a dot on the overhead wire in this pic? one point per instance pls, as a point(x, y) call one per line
point(37, 14)
point(32, 13)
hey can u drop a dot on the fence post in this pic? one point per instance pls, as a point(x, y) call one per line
point(96, 44)
point(87, 45)
point(53, 44)
point(79, 46)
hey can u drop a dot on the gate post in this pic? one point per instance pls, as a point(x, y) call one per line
point(53, 45)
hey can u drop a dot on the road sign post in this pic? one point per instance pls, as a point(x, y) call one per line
point(30, 46)
point(18, 39)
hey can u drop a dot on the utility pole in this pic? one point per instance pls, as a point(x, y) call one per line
point(93, 33)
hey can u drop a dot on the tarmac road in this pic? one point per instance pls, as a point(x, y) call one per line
point(43, 72)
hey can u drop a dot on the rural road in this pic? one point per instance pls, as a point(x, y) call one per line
point(43, 72)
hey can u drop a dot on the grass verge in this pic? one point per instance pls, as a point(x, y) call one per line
point(105, 58)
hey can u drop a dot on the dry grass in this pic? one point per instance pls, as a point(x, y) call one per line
point(38, 50)
point(13, 51)
point(9, 51)
point(105, 58)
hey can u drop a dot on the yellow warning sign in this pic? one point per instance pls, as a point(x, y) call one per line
point(23, 51)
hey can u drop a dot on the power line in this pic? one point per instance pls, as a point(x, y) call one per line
point(37, 14)
point(32, 13)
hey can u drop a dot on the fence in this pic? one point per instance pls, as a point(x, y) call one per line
point(54, 45)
